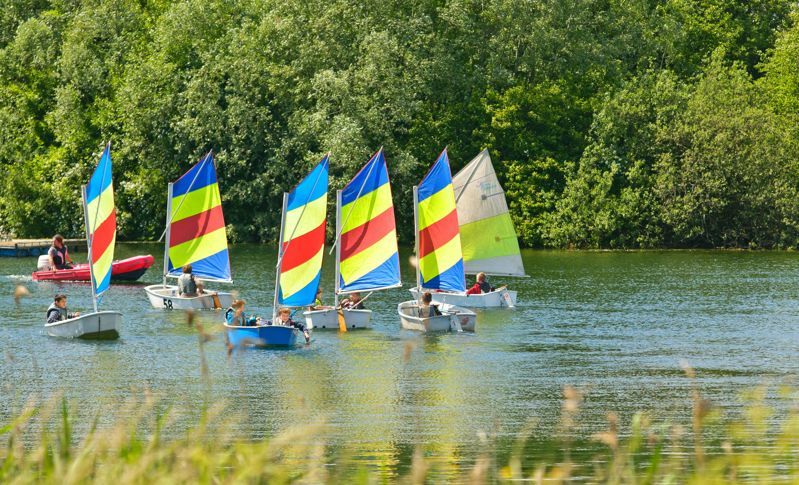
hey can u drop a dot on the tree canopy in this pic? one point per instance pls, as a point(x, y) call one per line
point(612, 123)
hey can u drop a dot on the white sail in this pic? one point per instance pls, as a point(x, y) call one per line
point(488, 237)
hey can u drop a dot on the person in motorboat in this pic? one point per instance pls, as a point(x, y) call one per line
point(234, 315)
point(58, 255)
point(426, 307)
point(353, 302)
point(58, 310)
point(187, 285)
point(284, 318)
point(481, 286)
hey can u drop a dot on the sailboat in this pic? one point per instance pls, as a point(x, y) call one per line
point(439, 264)
point(488, 238)
point(101, 231)
point(367, 258)
point(299, 259)
point(195, 235)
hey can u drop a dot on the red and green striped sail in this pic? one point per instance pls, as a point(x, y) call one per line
point(304, 238)
point(368, 254)
point(101, 223)
point(196, 233)
point(439, 242)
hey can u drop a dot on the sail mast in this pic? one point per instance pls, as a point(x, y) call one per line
point(89, 245)
point(167, 231)
point(416, 236)
point(279, 255)
point(338, 248)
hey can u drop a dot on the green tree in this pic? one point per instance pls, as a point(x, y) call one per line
point(731, 178)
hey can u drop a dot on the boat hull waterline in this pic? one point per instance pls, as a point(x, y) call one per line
point(327, 319)
point(453, 318)
point(99, 325)
point(261, 336)
point(496, 299)
point(130, 269)
point(166, 297)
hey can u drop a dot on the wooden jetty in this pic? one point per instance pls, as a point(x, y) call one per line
point(20, 248)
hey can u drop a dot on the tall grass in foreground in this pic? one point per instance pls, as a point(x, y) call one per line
point(747, 448)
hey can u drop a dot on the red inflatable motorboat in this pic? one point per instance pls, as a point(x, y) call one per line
point(129, 269)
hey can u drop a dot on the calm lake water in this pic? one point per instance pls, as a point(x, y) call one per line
point(617, 325)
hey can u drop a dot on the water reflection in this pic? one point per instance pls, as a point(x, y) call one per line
point(615, 324)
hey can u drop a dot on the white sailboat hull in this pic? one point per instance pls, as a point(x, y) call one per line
point(328, 319)
point(166, 297)
point(496, 299)
point(453, 319)
point(99, 325)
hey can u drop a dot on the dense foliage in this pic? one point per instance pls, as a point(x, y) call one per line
point(613, 123)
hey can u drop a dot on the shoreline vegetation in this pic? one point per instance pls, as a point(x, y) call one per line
point(39, 446)
point(612, 124)
point(563, 249)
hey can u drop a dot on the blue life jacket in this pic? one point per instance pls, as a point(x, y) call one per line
point(230, 313)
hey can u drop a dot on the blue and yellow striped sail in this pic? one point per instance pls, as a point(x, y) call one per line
point(101, 219)
point(369, 259)
point(304, 238)
point(197, 233)
point(439, 242)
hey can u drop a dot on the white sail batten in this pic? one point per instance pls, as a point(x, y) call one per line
point(488, 237)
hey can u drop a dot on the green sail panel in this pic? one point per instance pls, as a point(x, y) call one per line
point(488, 237)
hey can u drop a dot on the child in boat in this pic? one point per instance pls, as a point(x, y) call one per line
point(481, 286)
point(353, 302)
point(317, 304)
point(426, 308)
point(58, 310)
point(187, 285)
point(235, 315)
point(284, 318)
point(58, 255)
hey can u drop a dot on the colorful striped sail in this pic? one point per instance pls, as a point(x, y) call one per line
point(304, 238)
point(196, 233)
point(368, 256)
point(487, 233)
point(439, 243)
point(101, 225)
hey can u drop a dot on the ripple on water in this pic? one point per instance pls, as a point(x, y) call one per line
point(618, 325)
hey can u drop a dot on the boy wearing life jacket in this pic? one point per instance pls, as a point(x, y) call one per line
point(187, 285)
point(234, 315)
point(317, 304)
point(353, 302)
point(426, 308)
point(284, 318)
point(58, 310)
point(481, 286)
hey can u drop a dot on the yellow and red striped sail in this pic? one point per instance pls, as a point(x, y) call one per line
point(368, 256)
point(304, 238)
point(439, 242)
point(196, 233)
point(101, 223)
